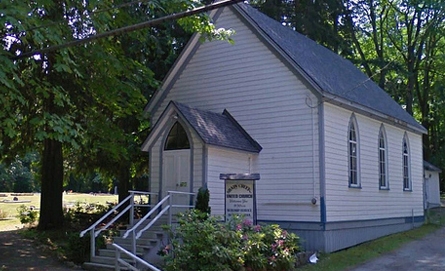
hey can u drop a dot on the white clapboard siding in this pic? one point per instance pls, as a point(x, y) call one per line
point(432, 186)
point(197, 163)
point(155, 167)
point(224, 161)
point(368, 202)
point(271, 104)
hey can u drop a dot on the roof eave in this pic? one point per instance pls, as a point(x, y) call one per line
point(373, 113)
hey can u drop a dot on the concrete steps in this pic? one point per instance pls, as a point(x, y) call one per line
point(147, 247)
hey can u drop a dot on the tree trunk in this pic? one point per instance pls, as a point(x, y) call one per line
point(51, 213)
point(124, 180)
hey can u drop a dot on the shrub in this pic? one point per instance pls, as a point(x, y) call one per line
point(27, 215)
point(267, 247)
point(204, 245)
point(3, 214)
point(236, 245)
point(202, 201)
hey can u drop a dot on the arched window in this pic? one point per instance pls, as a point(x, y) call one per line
point(383, 165)
point(406, 165)
point(353, 151)
point(177, 138)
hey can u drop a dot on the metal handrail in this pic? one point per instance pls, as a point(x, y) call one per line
point(136, 259)
point(180, 192)
point(92, 229)
point(161, 211)
point(82, 234)
point(146, 216)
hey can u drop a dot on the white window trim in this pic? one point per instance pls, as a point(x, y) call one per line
point(406, 165)
point(353, 122)
point(382, 134)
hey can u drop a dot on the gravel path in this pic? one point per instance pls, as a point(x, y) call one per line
point(19, 254)
point(426, 254)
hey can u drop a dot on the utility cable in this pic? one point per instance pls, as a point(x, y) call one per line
point(130, 28)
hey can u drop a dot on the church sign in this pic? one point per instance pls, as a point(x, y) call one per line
point(240, 196)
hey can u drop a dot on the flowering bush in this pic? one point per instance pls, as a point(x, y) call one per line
point(236, 245)
point(267, 247)
point(27, 215)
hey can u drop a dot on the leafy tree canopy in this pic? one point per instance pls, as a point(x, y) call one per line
point(81, 106)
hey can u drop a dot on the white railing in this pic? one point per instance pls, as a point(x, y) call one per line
point(136, 233)
point(130, 200)
point(135, 259)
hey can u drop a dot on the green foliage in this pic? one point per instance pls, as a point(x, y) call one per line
point(202, 201)
point(85, 100)
point(27, 215)
point(3, 214)
point(81, 216)
point(78, 249)
point(20, 175)
point(237, 245)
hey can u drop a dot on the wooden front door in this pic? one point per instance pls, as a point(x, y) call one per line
point(176, 166)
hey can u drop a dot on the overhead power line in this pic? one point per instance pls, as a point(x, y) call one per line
point(130, 28)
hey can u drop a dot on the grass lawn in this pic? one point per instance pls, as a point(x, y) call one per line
point(11, 222)
point(345, 259)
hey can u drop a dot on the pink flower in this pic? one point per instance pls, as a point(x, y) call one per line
point(247, 223)
point(257, 228)
point(239, 227)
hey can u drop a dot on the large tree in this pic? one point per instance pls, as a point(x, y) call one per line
point(63, 102)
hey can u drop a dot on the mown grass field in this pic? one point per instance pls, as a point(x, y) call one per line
point(9, 209)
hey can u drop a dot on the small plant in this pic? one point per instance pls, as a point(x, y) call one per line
point(27, 216)
point(3, 214)
point(202, 202)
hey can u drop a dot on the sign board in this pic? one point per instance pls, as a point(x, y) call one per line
point(240, 199)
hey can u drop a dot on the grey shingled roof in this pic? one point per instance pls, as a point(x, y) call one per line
point(430, 167)
point(218, 129)
point(332, 73)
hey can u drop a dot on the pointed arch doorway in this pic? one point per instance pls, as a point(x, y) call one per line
point(176, 165)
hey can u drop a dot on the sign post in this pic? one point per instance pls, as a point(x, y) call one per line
point(240, 196)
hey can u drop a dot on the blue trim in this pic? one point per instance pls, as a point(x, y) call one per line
point(321, 164)
point(415, 219)
point(295, 225)
point(344, 225)
point(204, 165)
point(323, 212)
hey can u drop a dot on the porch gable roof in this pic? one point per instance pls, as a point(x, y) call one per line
point(428, 166)
point(214, 129)
point(218, 129)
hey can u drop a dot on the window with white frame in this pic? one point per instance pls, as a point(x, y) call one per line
point(383, 164)
point(353, 153)
point(406, 165)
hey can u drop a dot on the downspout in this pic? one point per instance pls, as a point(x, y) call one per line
point(312, 107)
point(321, 164)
